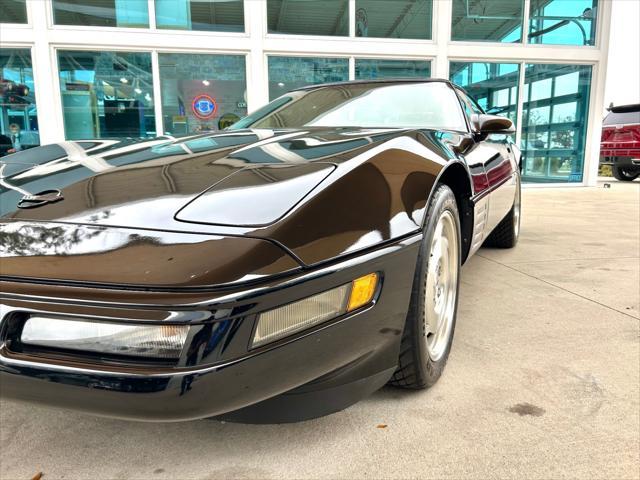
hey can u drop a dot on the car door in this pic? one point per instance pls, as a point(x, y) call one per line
point(496, 155)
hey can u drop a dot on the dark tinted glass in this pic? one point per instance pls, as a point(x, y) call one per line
point(13, 11)
point(394, 18)
point(369, 69)
point(102, 13)
point(308, 17)
point(209, 15)
point(488, 21)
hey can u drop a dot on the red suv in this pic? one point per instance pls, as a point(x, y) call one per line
point(620, 142)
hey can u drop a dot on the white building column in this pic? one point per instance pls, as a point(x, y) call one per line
point(596, 101)
point(255, 17)
point(442, 10)
point(45, 75)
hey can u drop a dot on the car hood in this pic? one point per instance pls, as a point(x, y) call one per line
point(176, 184)
point(88, 255)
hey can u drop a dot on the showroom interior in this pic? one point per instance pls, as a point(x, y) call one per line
point(79, 69)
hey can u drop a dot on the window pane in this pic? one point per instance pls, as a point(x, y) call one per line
point(202, 92)
point(101, 13)
point(563, 22)
point(394, 18)
point(209, 15)
point(106, 94)
point(493, 85)
point(308, 17)
point(13, 11)
point(489, 21)
point(18, 115)
point(556, 109)
point(287, 73)
point(378, 68)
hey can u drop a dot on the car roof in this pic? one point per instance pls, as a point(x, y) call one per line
point(625, 108)
point(374, 81)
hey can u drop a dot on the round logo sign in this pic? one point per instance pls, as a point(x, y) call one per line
point(204, 107)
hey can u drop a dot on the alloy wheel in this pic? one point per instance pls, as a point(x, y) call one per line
point(441, 286)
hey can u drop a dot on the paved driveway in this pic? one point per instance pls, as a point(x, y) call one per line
point(543, 381)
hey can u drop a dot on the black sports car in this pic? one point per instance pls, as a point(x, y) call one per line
point(279, 270)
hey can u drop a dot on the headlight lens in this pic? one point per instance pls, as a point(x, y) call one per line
point(157, 341)
point(310, 311)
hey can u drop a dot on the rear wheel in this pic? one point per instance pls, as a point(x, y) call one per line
point(506, 233)
point(431, 320)
point(623, 174)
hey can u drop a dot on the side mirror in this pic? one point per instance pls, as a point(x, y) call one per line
point(486, 124)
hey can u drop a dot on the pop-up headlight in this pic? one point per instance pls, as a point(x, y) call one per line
point(153, 341)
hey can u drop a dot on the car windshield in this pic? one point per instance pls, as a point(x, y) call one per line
point(430, 105)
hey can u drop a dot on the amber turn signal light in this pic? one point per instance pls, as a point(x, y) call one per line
point(362, 291)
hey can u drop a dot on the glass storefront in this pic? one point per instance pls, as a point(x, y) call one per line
point(308, 17)
point(210, 15)
point(483, 21)
point(18, 114)
point(563, 22)
point(555, 113)
point(106, 94)
point(287, 73)
point(493, 85)
point(13, 11)
point(383, 68)
point(102, 13)
point(409, 19)
point(202, 92)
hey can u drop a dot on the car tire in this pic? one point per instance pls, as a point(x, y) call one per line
point(620, 173)
point(507, 232)
point(430, 324)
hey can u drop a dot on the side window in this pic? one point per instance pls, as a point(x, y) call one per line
point(468, 105)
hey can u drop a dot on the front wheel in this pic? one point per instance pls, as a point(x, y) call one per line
point(624, 175)
point(431, 320)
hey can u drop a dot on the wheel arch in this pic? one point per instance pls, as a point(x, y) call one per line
point(456, 176)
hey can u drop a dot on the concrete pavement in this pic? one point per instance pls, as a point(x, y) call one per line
point(543, 381)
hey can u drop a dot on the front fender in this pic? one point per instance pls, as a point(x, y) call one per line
point(378, 196)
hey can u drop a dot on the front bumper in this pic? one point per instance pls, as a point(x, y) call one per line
point(217, 372)
point(625, 158)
